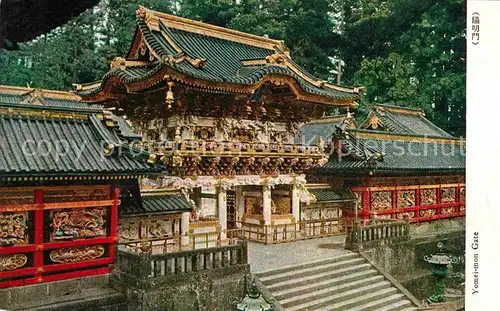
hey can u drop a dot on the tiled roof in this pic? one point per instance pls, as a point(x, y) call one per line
point(223, 57)
point(46, 133)
point(331, 195)
point(325, 127)
point(161, 203)
point(404, 121)
point(398, 154)
point(29, 145)
point(11, 96)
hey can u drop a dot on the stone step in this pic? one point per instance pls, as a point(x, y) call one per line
point(318, 294)
point(302, 281)
point(319, 284)
point(309, 264)
point(407, 309)
point(348, 299)
point(354, 301)
point(269, 280)
point(385, 303)
point(397, 306)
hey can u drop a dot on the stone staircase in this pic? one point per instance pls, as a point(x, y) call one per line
point(345, 282)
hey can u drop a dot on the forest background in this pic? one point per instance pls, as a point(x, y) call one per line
point(405, 52)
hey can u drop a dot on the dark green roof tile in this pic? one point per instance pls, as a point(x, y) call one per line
point(331, 195)
point(158, 204)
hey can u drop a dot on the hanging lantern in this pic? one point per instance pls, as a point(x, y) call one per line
point(169, 98)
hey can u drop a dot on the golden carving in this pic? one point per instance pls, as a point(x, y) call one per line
point(427, 213)
point(359, 201)
point(428, 196)
point(13, 229)
point(406, 198)
point(447, 195)
point(78, 224)
point(381, 200)
point(12, 262)
point(462, 195)
point(75, 254)
point(448, 210)
point(404, 215)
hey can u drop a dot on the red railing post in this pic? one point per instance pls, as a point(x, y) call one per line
point(417, 204)
point(366, 206)
point(38, 234)
point(394, 203)
point(438, 199)
point(113, 230)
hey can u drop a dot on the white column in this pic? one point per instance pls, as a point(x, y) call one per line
point(295, 203)
point(185, 228)
point(266, 205)
point(222, 205)
point(240, 201)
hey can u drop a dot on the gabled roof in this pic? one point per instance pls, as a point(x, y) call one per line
point(212, 58)
point(49, 133)
point(325, 127)
point(371, 151)
point(61, 102)
point(403, 121)
point(326, 194)
point(158, 202)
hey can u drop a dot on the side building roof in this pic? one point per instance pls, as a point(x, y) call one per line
point(402, 120)
point(369, 152)
point(325, 127)
point(47, 133)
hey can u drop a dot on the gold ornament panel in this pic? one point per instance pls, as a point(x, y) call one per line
point(281, 205)
point(428, 196)
point(462, 208)
point(76, 254)
point(12, 262)
point(381, 200)
point(78, 224)
point(448, 210)
point(447, 195)
point(427, 213)
point(359, 201)
point(13, 228)
point(402, 215)
point(406, 198)
point(462, 195)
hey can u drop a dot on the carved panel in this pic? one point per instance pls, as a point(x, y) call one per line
point(281, 205)
point(447, 195)
point(427, 213)
point(12, 262)
point(253, 205)
point(448, 210)
point(402, 215)
point(13, 228)
point(311, 214)
point(129, 230)
point(359, 201)
point(462, 195)
point(462, 208)
point(406, 198)
point(75, 254)
point(381, 200)
point(78, 224)
point(428, 196)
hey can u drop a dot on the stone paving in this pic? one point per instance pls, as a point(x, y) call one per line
point(266, 257)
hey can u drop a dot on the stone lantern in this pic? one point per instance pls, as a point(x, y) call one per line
point(440, 262)
point(254, 301)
